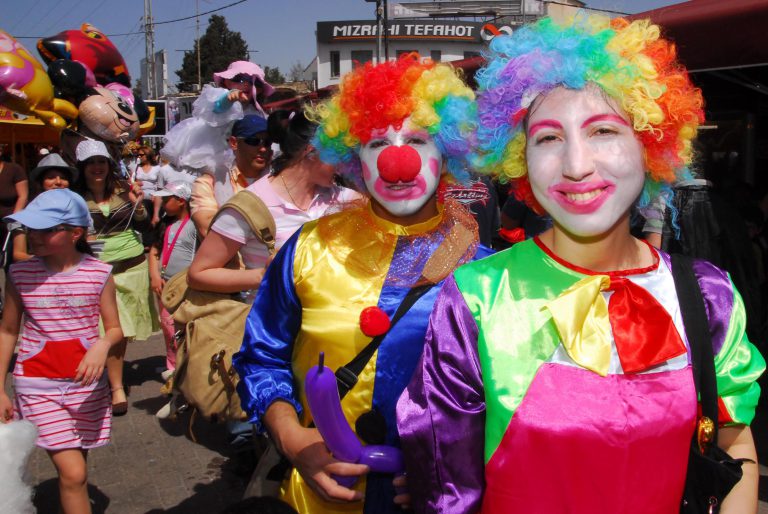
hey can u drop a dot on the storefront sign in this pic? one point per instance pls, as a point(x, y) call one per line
point(411, 30)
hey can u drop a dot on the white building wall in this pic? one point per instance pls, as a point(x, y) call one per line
point(448, 52)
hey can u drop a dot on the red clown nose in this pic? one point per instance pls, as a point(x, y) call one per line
point(399, 164)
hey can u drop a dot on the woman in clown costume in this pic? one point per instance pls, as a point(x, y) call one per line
point(556, 374)
point(396, 127)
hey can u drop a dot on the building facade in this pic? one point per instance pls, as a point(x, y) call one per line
point(342, 45)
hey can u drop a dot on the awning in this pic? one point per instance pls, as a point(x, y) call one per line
point(715, 34)
point(19, 128)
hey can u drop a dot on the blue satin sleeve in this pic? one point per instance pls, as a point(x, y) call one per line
point(264, 360)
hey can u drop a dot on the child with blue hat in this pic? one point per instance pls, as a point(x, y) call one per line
point(58, 377)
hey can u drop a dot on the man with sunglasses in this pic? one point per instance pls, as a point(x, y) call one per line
point(250, 144)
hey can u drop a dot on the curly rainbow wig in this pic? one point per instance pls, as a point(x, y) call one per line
point(376, 96)
point(630, 63)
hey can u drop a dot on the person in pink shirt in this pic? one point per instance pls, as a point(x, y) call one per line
point(301, 188)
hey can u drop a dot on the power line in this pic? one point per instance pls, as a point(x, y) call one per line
point(200, 14)
point(154, 23)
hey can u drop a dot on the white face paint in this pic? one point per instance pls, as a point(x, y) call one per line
point(585, 163)
point(401, 168)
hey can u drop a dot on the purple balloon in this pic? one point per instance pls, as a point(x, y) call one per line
point(341, 440)
point(383, 459)
point(325, 405)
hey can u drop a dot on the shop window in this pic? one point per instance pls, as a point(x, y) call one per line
point(435, 55)
point(469, 54)
point(335, 63)
point(360, 57)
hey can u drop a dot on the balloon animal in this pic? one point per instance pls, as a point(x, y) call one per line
point(26, 88)
point(325, 406)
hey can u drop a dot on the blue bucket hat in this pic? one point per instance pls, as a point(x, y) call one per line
point(249, 126)
point(52, 208)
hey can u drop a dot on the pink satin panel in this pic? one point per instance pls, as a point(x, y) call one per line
point(584, 444)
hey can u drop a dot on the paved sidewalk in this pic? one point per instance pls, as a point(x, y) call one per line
point(155, 467)
point(152, 466)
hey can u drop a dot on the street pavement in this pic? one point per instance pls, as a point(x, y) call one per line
point(160, 466)
point(152, 466)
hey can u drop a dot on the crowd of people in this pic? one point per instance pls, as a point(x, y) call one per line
point(554, 376)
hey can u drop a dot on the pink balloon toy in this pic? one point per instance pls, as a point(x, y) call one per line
point(325, 406)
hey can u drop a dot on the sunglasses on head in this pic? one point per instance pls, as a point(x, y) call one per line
point(256, 141)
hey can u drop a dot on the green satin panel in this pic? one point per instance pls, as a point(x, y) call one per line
point(509, 314)
point(738, 364)
point(332, 294)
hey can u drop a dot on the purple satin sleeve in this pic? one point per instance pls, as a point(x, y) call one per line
point(441, 414)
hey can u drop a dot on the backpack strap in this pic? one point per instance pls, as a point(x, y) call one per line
point(256, 214)
point(697, 329)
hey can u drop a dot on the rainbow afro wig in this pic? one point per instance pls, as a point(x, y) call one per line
point(374, 97)
point(630, 63)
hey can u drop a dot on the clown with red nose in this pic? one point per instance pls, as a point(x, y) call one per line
point(358, 286)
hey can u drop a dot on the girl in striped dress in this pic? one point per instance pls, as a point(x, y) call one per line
point(58, 376)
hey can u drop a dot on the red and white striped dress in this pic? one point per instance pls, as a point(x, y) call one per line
point(61, 321)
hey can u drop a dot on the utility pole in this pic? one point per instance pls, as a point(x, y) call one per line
point(386, 31)
point(197, 36)
point(379, 29)
point(149, 48)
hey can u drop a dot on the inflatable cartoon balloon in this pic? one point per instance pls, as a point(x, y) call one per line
point(71, 79)
point(108, 116)
point(91, 47)
point(325, 406)
point(121, 90)
point(26, 88)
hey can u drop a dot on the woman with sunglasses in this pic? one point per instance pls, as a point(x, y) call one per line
point(300, 189)
point(118, 215)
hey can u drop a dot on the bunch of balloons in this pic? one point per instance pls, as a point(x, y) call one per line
point(86, 87)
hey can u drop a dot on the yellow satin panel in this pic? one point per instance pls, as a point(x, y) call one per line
point(580, 314)
point(332, 296)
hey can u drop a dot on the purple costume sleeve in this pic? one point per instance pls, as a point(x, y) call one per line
point(441, 415)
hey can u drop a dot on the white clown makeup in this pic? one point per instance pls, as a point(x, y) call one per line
point(401, 168)
point(585, 164)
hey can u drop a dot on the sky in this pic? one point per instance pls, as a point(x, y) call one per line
point(278, 32)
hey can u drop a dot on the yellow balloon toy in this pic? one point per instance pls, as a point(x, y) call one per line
point(26, 88)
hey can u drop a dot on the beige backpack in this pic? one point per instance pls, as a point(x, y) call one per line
point(213, 327)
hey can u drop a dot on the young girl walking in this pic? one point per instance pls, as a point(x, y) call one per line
point(59, 379)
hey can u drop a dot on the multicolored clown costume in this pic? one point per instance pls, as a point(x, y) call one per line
point(546, 387)
point(334, 268)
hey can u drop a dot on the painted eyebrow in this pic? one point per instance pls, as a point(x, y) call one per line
point(605, 117)
point(543, 123)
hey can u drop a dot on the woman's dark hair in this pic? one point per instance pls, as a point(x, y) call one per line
point(111, 182)
point(36, 186)
point(293, 133)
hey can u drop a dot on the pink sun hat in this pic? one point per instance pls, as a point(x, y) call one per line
point(246, 68)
